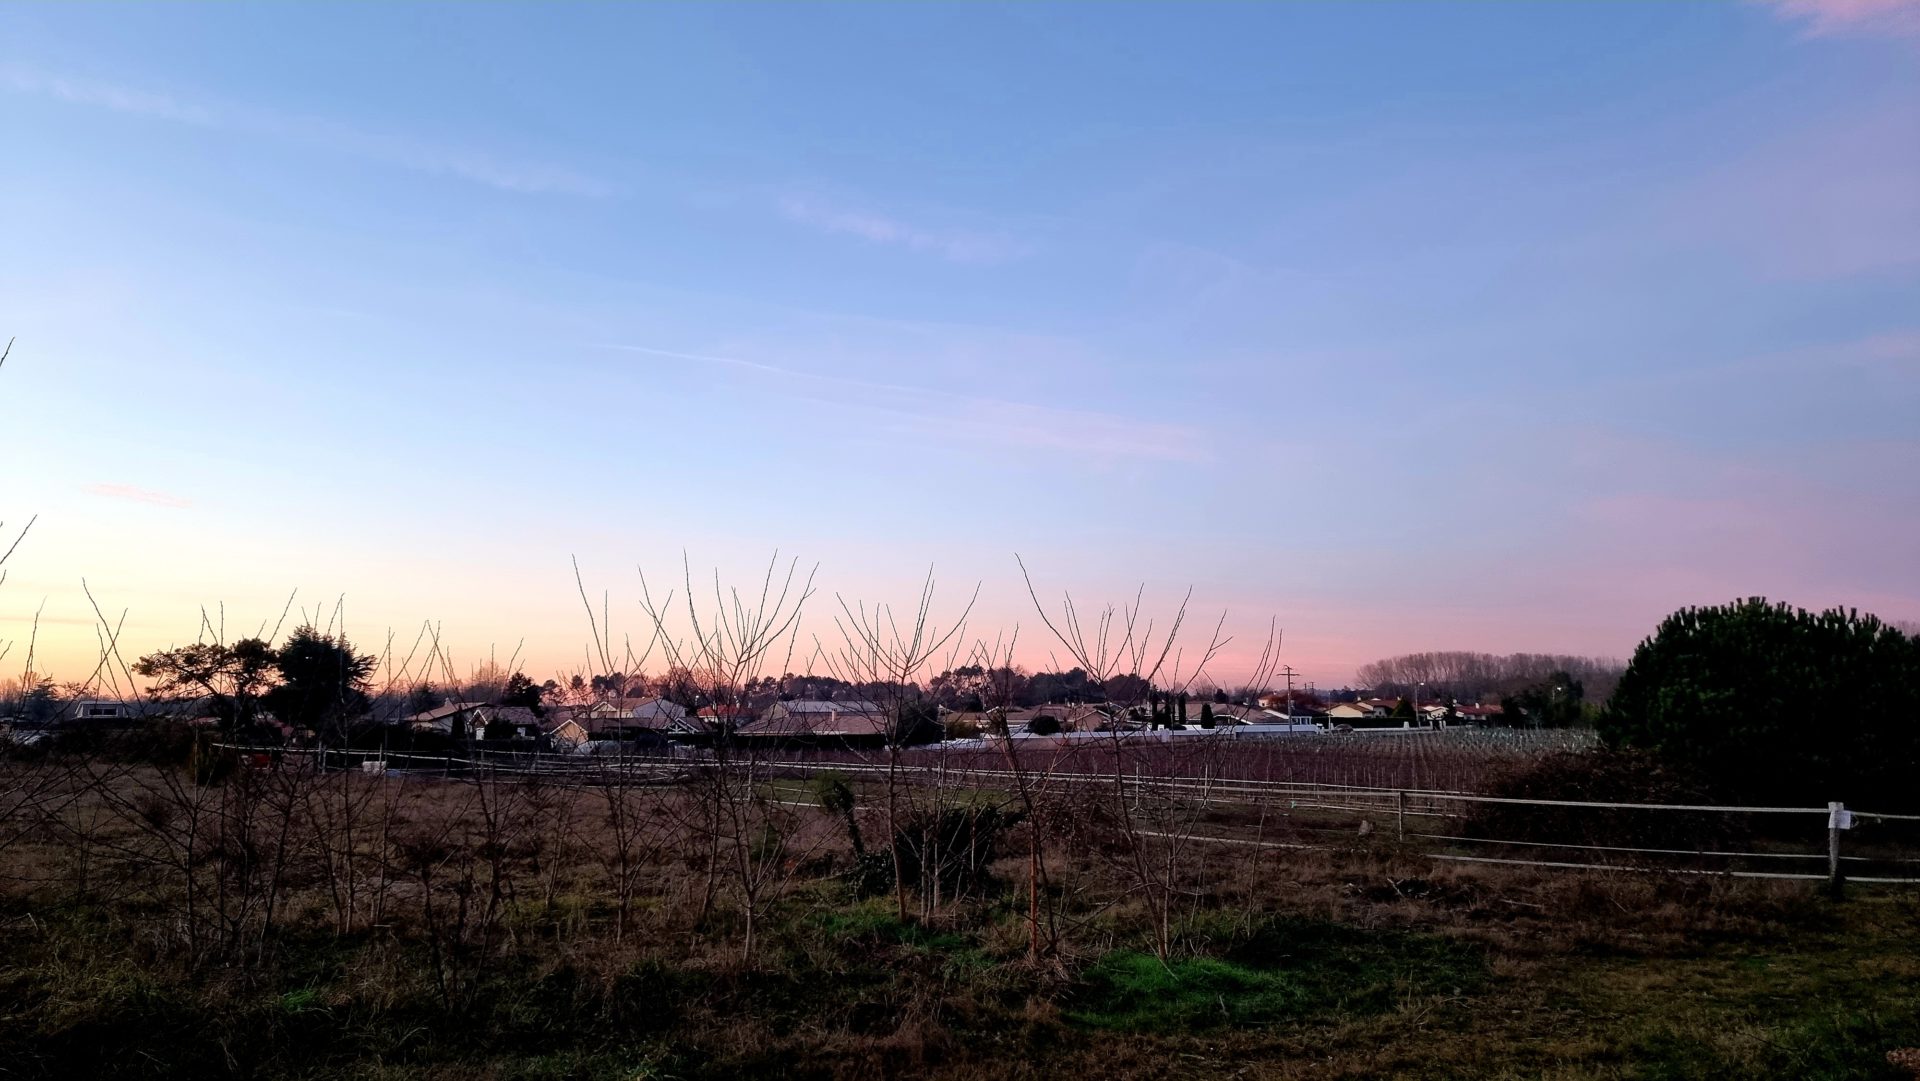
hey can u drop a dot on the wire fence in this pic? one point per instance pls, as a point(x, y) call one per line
point(1831, 843)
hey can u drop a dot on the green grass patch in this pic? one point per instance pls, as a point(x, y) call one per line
point(1288, 970)
point(1137, 992)
point(875, 922)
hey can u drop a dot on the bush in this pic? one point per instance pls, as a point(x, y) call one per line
point(954, 847)
point(962, 727)
point(1602, 776)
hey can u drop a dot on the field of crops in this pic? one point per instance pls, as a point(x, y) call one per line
point(1453, 760)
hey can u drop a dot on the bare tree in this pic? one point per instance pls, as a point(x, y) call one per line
point(1159, 786)
point(891, 655)
point(29, 796)
point(726, 646)
point(349, 821)
point(6, 553)
point(1031, 790)
point(627, 835)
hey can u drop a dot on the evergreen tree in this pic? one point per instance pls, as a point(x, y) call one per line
point(323, 682)
point(1777, 705)
point(521, 691)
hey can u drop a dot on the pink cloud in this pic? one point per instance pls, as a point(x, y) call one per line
point(1832, 18)
point(138, 495)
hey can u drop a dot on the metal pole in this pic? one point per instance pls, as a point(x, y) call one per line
point(1836, 813)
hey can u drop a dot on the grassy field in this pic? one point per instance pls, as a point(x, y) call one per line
point(302, 926)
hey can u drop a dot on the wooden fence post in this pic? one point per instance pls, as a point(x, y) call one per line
point(1836, 821)
point(1400, 813)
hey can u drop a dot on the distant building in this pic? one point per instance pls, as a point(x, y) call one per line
point(662, 715)
point(563, 728)
point(507, 722)
point(450, 718)
point(629, 717)
point(731, 718)
point(96, 710)
point(470, 719)
point(1080, 718)
point(804, 718)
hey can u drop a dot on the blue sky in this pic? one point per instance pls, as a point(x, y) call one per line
point(1414, 326)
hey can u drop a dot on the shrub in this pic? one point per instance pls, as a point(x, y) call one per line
point(1602, 776)
point(954, 846)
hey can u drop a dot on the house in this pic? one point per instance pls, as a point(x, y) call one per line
point(472, 719)
point(630, 716)
point(1225, 715)
point(662, 715)
point(719, 718)
point(1076, 718)
point(97, 711)
point(450, 718)
point(506, 722)
point(1298, 716)
point(1355, 711)
point(1014, 720)
point(564, 728)
point(1477, 714)
point(598, 715)
point(1229, 714)
point(814, 719)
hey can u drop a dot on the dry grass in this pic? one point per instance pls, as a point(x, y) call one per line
point(337, 925)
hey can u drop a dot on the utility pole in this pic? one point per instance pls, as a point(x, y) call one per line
point(1287, 671)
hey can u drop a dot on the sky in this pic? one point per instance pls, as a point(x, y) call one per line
point(1401, 327)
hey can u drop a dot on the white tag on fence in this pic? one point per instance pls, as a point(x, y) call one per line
point(1840, 820)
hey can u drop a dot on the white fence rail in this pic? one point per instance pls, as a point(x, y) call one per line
point(1284, 797)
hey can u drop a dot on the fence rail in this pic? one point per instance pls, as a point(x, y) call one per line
point(1282, 797)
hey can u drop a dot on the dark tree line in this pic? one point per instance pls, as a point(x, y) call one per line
point(967, 688)
point(1487, 677)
